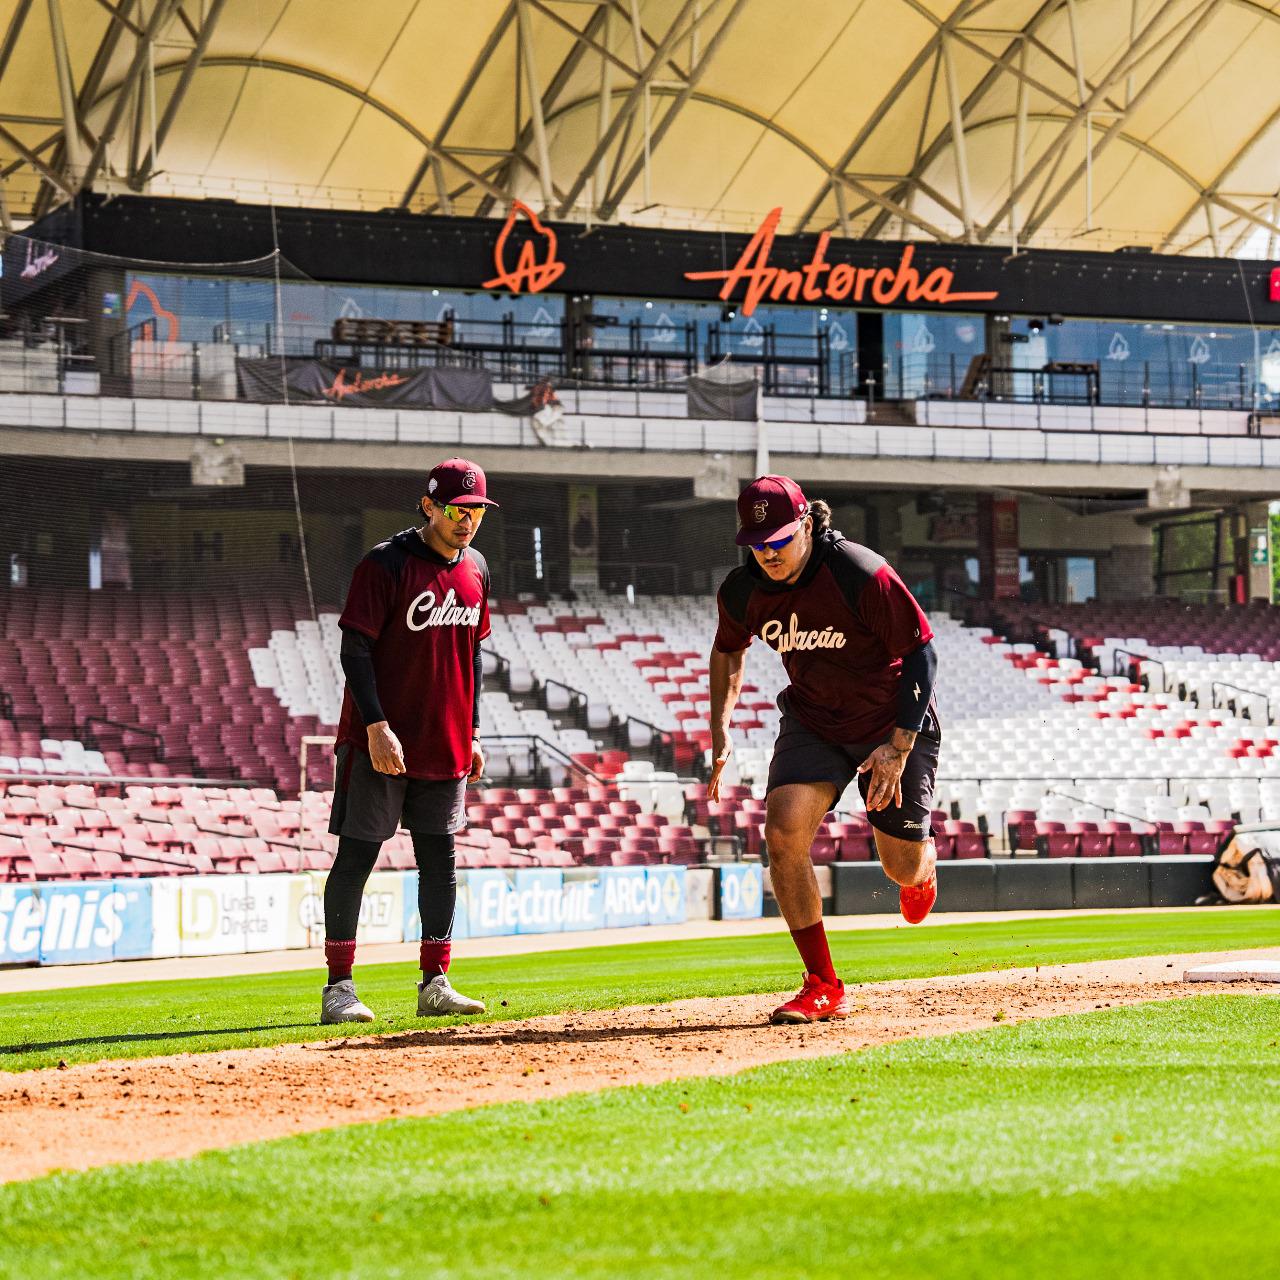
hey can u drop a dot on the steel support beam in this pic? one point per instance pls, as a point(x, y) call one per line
point(676, 69)
point(957, 136)
point(892, 207)
point(602, 114)
point(459, 100)
point(632, 101)
point(971, 102)
point(28, 156)
point(73, 145)
point(1205, 14)
point(1053, 152)
point(535, 103)
point(869, 125)
point(12, 32)
point(696, 72)
point(564, 72)
point(160, 14)
point(190, 67)
point(1223, 174)
point(1019, 147)
point(595, 46)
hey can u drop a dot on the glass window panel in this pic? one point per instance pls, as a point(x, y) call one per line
point(924, 350)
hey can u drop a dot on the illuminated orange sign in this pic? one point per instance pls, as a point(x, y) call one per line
point(842, 283)
point(529, 275)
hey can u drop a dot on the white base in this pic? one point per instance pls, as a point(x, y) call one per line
point(1236, 971)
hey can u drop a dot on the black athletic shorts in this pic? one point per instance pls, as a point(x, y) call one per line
point(800, 755)
point(368, 805)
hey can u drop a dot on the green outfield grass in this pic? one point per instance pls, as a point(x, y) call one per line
point(39, 1029)
point(1135, 1142)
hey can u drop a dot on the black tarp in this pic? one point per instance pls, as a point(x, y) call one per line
point(275, 381)
point(718, 398)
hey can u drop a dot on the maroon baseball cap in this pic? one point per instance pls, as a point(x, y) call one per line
point(769, 507)
point(458, 480)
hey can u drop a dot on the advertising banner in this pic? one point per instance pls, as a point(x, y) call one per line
point(584, 536)
point(331, 382)
point(539, 893)
point(305, 919)
point(626, 899)
point(74, 923)
point(166, 902)
point(411, 930)
point(741, 891)
point(227, 914)
point(536, 900)
point(21, 920)
point(382, 910)
point(266, 912)
point(665, 897)
point(413, 921)
point(998, 566)
point(211, 915)
point(583, 898)
point(490, 909)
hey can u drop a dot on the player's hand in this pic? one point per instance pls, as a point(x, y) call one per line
point(477, 763)
point(385, 751)
point(717, 768)
point(886, 764)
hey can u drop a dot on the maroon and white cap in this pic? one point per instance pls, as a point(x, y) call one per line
point(769, 507)
point(458, 480)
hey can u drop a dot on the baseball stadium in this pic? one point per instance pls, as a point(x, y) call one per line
point(420, 423)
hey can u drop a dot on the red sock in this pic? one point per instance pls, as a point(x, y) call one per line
point(434, 958)
point(811, 943)
point(340, 957)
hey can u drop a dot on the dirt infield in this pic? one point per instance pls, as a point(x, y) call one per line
point(161, 1108)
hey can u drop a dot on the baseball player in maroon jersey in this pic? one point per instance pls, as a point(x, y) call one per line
point(859, 654)
point(411, 631)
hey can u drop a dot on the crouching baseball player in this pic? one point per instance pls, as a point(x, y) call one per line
point(415, 615)
point(859, 654)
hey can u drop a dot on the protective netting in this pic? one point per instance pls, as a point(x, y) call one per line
point(173, 612)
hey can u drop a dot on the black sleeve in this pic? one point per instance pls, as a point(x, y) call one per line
point(475, 704)
point(919, 669)
point(357, 666)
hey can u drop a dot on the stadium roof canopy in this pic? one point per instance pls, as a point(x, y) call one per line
point(1063, 123)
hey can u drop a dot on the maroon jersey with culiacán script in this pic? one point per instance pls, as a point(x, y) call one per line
point(842, 629)
point(426, 616)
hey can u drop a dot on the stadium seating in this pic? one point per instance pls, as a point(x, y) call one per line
point(607, 696)
point(149, 683)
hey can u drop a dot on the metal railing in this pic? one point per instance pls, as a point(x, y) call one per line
point(577, 706)
point(543, 753)
point(1231, 703)
point(90, 737)
point(1119, 669)
point(1168, 384)
point(664, 754)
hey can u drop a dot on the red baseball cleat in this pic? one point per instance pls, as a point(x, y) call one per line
point(916, 900)
point(816, 1001)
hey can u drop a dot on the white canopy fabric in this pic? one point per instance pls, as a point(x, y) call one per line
point(1059, 123)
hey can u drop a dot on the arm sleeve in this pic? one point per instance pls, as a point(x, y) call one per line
point(919, 669)
point(357, 666)
point(475, 700)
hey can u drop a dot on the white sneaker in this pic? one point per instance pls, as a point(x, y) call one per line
point(438, 997)
point(341, 1004)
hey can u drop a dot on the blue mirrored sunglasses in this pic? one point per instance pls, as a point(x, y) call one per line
point(776, 545)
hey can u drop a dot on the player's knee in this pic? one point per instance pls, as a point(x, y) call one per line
point(786, 839)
